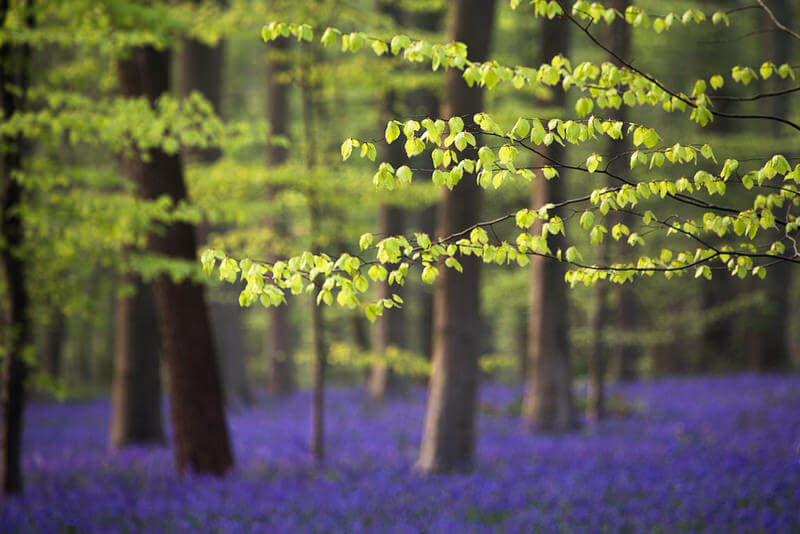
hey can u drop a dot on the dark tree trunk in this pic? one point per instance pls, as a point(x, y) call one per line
point(623, 356)
point(390, 327)
point(595, 392)
point(278, 341)
point(422, 102)
point(618, 39)
point(53, 350)
point(717, 341)
point(317, 334)
point(448, 434)
point(196, 404)
point(318, 383)
point(136, 394)
point(427, 224)
point(14, 64)
point(201, 71)
point(548, 402)
point(769, 346)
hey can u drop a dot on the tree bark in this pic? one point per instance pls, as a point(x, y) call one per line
point(390, 327)
point(278, 341)
point(53, 350)
point(623, 357)
point(421, 102)
point(769, 346)
point(595, 392)
point(548, 403)
point(14, 65)
point(136, 394)
point(618, 39)
point(201, 70)
point(196, 403)
point(448, 433)
point(318, 383)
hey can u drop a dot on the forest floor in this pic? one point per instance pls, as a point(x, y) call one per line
point(700, 454)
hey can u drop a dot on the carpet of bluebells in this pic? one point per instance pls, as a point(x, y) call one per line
point(699, 455)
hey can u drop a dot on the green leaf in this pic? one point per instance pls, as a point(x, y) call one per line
point(392, 132)
point(365, 241)
point(456, 125)
point(521, 128)
point(379, 47)
point(454, 264)
point(429, 274)
point(404, 174)
point(347, 148)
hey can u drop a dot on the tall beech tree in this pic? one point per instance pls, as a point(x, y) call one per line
point(277, 335)
point(618, 39)
point(136, 387)
point(15, 63)
point(201, 70)
point(548, 402)
point(448, 438)
point(390, 327)
point(196, 399)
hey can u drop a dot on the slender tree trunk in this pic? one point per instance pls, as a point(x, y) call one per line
point(422, 102)
point(53, 350)
point(548, 402)
point(136, 394)
point(595, 393)
point(390, 327)
point(278, 341)
point(318, 383)
point(201, 71)
point(769, 348)
point(618, 39)
point(320, 356)
point(623, 356)
point(448, 434)
point(14, 64)
point(196, 403)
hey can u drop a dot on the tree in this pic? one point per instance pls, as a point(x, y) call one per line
point(390, 328)
point(201, 70)
point(14, 81)
point(277, 342)
point(196, 404)
point(448, 432)
point(618, 38)
point(548, 403)
point(136, 387)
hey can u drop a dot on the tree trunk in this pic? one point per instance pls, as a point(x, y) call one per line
point(201, 71)
point(196, 404)
point(595, 392)
point(548, 402)
point(14, 64)
point(448, 434)
point(136, 393)
point(623, 356)
point(390, 327)
point(770, 348)
point(53, 350)
point(278, 341)
point(425, 102)
point(318, 383)
point(618, 39)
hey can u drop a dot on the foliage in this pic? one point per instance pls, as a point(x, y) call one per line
point(679, 191)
